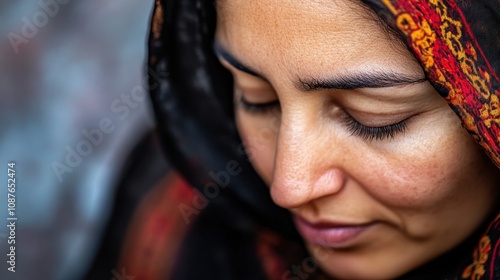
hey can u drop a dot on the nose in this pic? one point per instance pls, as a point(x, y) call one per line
point(308, 163)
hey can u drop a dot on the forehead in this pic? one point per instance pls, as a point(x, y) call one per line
point(307, 37)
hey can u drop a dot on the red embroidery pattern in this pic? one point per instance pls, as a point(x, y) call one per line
point(441, 38)
point(481, 254)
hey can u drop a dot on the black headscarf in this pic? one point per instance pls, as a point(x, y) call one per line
point(193, 106)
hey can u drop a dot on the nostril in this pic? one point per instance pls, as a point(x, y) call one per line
point(288, 193)
point(329, 183)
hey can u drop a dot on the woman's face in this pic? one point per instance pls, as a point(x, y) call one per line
point(340, 122)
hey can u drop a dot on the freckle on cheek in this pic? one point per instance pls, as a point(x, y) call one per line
point(415, 185)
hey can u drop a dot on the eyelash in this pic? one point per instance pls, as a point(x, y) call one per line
point(258, 108)
point(375, 133)
point(354, 127)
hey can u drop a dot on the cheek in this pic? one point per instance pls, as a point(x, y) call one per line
point(259, 135)
point(439, 168)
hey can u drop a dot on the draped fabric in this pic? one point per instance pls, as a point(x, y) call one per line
point(457, 43)
point(458, 46)
point(193, 106)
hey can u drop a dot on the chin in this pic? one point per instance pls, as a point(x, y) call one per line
point(349, 264)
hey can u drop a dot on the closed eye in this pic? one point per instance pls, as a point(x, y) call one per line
point(257, 108)
point(375, 132)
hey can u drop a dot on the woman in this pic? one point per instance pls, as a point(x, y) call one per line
point(338, 107)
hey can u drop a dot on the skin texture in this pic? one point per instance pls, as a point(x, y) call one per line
point(425, 189)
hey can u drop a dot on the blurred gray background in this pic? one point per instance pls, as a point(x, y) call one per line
point(66, 67)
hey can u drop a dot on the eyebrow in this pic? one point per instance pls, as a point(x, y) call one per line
point(220, 51)
point(372, 79)
point(376, 79)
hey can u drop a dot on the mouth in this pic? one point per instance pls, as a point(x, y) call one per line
point(330, 235)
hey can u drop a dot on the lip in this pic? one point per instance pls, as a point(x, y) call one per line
point(331, 235)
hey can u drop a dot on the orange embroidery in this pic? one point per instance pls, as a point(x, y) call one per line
point(157, 20)
point(481, 254)
point(440, 38)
